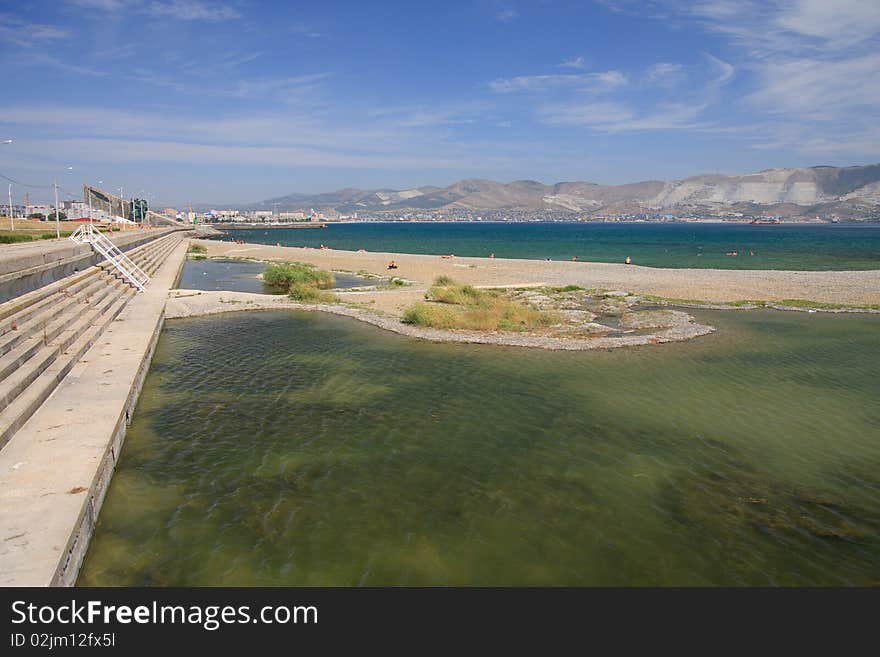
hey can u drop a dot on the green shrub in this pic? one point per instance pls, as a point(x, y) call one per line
point(196, 248)
point(455, 294)
point(465, 307)
point(285, 275)
point(425, 314)
point(443, 280)
point(14, 238)
point(309, 293)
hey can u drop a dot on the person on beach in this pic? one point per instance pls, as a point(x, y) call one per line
point(628, 261)
point(392, 265)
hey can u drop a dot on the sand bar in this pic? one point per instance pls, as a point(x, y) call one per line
point(858, 288)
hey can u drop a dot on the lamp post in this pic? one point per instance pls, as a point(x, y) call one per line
point(11, 221)
point(122, 208)
point(57, 214)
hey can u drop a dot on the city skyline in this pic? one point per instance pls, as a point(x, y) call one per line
point(241, 101)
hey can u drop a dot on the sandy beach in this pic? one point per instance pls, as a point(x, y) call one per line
point(859, 288)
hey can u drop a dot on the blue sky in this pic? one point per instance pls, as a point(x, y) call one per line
point(241, 100)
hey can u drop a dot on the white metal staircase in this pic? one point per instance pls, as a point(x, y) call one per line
point(88, 234)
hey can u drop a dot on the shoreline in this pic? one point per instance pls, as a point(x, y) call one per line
point(185, 304)
point(855, 288)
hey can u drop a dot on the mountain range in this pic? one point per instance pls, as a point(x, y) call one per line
point(852, 192)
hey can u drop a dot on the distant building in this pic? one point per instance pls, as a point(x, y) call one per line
point(40, 209)
point(77, 210)
point(170, 212)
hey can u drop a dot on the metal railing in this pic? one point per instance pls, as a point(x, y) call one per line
point(88, 234)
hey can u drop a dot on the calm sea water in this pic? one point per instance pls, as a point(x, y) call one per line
point(785, 246)
point(354, 456)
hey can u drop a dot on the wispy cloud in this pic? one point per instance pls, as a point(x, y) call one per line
point(24, 34)
point(193, 10)
point(185, 10)
point(665, 74)
point(534, 83)
point(576, 62)
point(622, 117)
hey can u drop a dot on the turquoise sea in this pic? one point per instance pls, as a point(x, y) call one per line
point(679, 245)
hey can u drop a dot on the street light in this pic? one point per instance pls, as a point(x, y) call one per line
point(57, 215)
point(122, 207)
point(11, 220)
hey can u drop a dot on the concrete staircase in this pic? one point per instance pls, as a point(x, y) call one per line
point(44, 333)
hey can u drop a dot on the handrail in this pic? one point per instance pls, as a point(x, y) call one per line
point(88, 234)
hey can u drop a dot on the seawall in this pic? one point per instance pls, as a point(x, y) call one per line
point(55, 471)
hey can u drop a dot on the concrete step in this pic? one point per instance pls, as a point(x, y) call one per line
point(44, 326)
point(21, 304)
point(66, 329)
point(66, 313)
point(141, 256)
point(158, 258)
point(58, 326)
point(45, 311)
point(16, 414)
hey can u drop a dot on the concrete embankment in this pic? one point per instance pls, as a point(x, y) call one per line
point(30, 266)
point(55, 468)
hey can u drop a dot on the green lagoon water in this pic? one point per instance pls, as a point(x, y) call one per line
point(677, 245)
point(288, 448)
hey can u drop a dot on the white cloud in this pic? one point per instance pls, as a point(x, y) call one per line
point(812, 65)
point(838, 24)
point(185, 10)
point(193, 10)
point(533, 83)
point(622, 117)
point(21, 33)
point(664, 73)
point(814, 89)
point(577, 62)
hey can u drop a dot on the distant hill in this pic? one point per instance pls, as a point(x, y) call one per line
point(828, 189)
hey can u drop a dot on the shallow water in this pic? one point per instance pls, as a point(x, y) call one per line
point(784, 246)
point(218, 274)
point(354, 456)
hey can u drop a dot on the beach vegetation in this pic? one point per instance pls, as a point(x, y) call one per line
point(285, 275)
point(452, 306)
point(196, 248)
point(442, 281)
point(805, 303)
point(308, 293)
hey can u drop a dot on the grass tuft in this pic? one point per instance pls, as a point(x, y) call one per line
point(451, 306)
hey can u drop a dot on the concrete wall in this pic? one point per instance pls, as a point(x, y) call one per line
point(23, 270)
